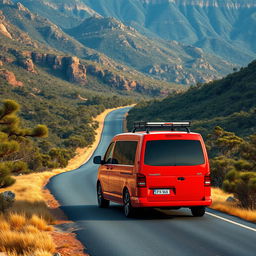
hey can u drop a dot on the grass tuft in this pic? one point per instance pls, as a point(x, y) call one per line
point(40, 223)
point(30, 229)
point(20, 243)
point(4, 225)
point(17, 221)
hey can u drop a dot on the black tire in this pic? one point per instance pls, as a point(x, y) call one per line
point(129, 211)
point(102, 202)
point(198, 211)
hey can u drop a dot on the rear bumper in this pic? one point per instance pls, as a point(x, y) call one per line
point(143, 202)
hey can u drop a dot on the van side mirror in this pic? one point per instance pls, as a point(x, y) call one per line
point(97, 160)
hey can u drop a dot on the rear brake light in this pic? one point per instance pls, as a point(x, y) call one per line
point(141, 180)
point(207, 181)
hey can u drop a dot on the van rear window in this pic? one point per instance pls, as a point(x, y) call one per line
point(173, 153)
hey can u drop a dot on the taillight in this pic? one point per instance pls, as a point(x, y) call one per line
point(207, 181)
point(141, 180)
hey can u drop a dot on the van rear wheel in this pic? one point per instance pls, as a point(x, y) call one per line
point(129, 211)
point(198, 211)
point(102, 202)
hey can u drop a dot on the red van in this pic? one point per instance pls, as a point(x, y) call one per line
point(155, 168)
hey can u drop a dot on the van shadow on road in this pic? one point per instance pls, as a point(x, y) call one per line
point(115, 213)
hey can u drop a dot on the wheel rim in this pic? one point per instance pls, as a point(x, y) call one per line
point(126, 204)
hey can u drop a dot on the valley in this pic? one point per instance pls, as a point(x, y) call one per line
point(65, 64)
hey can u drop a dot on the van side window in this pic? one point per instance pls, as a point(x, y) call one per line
point(125, 152)
point(109, 153)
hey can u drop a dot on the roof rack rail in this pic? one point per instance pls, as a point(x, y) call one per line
point(141, 125)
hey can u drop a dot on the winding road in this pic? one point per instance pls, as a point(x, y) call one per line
point(106, 232)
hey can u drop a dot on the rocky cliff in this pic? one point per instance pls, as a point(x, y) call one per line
point(72, 68)
point(76, 72)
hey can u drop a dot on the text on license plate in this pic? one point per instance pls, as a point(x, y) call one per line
point(161, 191)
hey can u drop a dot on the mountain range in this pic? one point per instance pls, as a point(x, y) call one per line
point(216, 26)
point(135, 46)
point(165, 60)
point(33, 42)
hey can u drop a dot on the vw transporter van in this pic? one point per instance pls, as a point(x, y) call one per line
point(155, 168)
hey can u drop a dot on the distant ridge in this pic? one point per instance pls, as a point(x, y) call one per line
point(217, 27)
point(229, 103)
point(206, 3)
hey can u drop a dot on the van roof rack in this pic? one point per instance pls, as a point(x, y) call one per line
point(146, 126)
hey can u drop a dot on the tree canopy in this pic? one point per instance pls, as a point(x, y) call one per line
point(13, 140)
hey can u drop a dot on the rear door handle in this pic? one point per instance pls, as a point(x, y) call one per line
point(181, 178)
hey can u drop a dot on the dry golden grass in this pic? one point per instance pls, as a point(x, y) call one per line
point(20, 234)
point(17, 221)
point(30, 229)
point(23, 226)
point(21, 242)
point(29, 253)
point(219, 195)
point(219, 203)
point(4, 225)
point(245, 214)
point(29, 209)
point(40, 223)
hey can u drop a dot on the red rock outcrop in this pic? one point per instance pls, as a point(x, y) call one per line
point(28, 64)
point(10, 78)
point(74, 71)
point(112, 79)
point(4, 31)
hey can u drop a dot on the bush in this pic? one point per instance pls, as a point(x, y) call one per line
point(14, 143)
point(5, 179)
point(233, 167)
point(243, 185)
point(220, 166)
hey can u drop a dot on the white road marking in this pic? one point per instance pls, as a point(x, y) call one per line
point(230, 221)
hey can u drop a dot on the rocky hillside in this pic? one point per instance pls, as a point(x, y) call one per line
point(168, 51)
point(217, 26)
point(64, 13)
point(229, 102)
point(23, 36)
point(171, 61)
point(214, 25)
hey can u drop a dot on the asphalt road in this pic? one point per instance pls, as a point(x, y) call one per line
point(106, 232)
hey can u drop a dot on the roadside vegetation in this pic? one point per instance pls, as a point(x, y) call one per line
point(16, 149)
point(233, 165)
point(220, 203)
point(24, 150)
point(22, 228)
point(26, 227)
point(224, 113)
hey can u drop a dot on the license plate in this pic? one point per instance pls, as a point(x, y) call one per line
point(161, 191)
